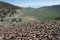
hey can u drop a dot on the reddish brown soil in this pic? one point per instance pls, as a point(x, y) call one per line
point(49, 30)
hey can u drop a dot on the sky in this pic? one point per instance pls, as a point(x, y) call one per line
point(33, 3)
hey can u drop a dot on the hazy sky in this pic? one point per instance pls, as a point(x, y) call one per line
point(33, 3)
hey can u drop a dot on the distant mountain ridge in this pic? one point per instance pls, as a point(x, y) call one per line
point(44, 13)
point(51, 9)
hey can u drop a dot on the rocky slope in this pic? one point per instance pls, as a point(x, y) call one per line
point(49, 30)
point(6, 8)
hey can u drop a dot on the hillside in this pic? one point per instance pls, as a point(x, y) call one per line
point(8, 10)
point(48, 30)
point(8, 5)
point(43, 13)
point(13, 14)
point(19, 23)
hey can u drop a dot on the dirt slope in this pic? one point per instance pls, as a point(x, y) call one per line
point(49, 30)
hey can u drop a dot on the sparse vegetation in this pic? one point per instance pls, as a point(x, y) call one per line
point(18, 23)
point(39, 14)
